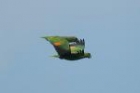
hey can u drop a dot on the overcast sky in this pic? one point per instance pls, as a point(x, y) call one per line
point(111, 29)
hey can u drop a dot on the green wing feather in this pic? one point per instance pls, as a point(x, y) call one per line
point(79, 46)
point(76, 48)
point(60, 44)
point(70, 38)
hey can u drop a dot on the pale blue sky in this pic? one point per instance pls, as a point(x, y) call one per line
point(111, 29)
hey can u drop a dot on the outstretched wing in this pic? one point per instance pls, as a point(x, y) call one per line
point(60, 44)
point(77, 47)
point(70, 38)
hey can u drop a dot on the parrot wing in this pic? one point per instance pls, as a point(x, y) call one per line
point(60, 44)
point(77, 47)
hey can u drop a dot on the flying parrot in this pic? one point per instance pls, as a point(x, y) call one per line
point(68, 47)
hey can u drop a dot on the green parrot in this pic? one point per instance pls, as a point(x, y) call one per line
point(68, 47)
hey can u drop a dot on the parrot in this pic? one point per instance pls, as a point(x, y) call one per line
point(68, 47)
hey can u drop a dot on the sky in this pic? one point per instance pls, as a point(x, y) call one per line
point(111, 31)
